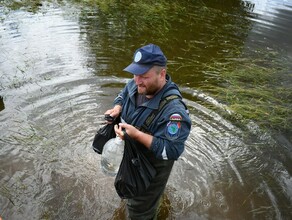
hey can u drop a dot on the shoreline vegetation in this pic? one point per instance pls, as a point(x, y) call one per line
point(255, 87)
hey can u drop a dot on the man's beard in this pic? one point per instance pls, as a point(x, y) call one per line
point(148, 91)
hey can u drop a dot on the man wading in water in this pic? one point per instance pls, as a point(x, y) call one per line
point(164, 141)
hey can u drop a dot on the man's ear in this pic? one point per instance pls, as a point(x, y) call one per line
point(163, 72)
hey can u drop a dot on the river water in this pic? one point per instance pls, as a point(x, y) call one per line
point(61, 67)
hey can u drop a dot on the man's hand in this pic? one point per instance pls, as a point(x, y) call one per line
point(134, 133)
point(123, 127)
point(111, 114)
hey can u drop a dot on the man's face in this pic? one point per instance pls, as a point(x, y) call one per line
point(150, 82)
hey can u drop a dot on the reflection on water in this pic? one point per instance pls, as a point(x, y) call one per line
point(273, 22)
point(60, 70)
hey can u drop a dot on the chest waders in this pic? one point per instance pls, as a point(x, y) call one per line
point(145, 206)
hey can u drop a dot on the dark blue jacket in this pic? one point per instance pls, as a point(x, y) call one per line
point(171, 126)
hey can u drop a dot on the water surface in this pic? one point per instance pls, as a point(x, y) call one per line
point(61, 68)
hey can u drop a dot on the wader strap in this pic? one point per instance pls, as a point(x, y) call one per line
point(153, 114)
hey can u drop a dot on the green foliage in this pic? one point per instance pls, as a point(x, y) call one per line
point(29, 5)
point(257, 91)
point(140, 17)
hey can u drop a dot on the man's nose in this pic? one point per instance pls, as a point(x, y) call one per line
point(138, 80)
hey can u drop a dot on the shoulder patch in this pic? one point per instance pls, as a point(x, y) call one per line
point(175, 117)
point(173, 126)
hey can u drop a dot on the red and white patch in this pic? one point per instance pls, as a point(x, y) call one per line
point(175, 117)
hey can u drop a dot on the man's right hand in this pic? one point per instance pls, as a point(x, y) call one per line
point(111, 114)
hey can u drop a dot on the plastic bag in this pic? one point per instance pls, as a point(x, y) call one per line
point(135, 172)
point(104, 134)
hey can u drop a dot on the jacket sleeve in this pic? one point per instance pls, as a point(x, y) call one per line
point(119, 100)
point(170, 131)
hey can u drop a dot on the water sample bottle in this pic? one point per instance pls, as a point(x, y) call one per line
point(112, 155)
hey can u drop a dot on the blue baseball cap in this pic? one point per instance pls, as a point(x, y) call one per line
point(145, 58)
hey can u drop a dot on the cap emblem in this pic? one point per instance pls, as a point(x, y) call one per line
point(138, 56)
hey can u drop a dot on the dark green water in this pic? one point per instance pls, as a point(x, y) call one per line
point(61, 67)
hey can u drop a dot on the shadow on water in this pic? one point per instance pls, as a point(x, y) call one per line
point(2, 106)
point(61, 69)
